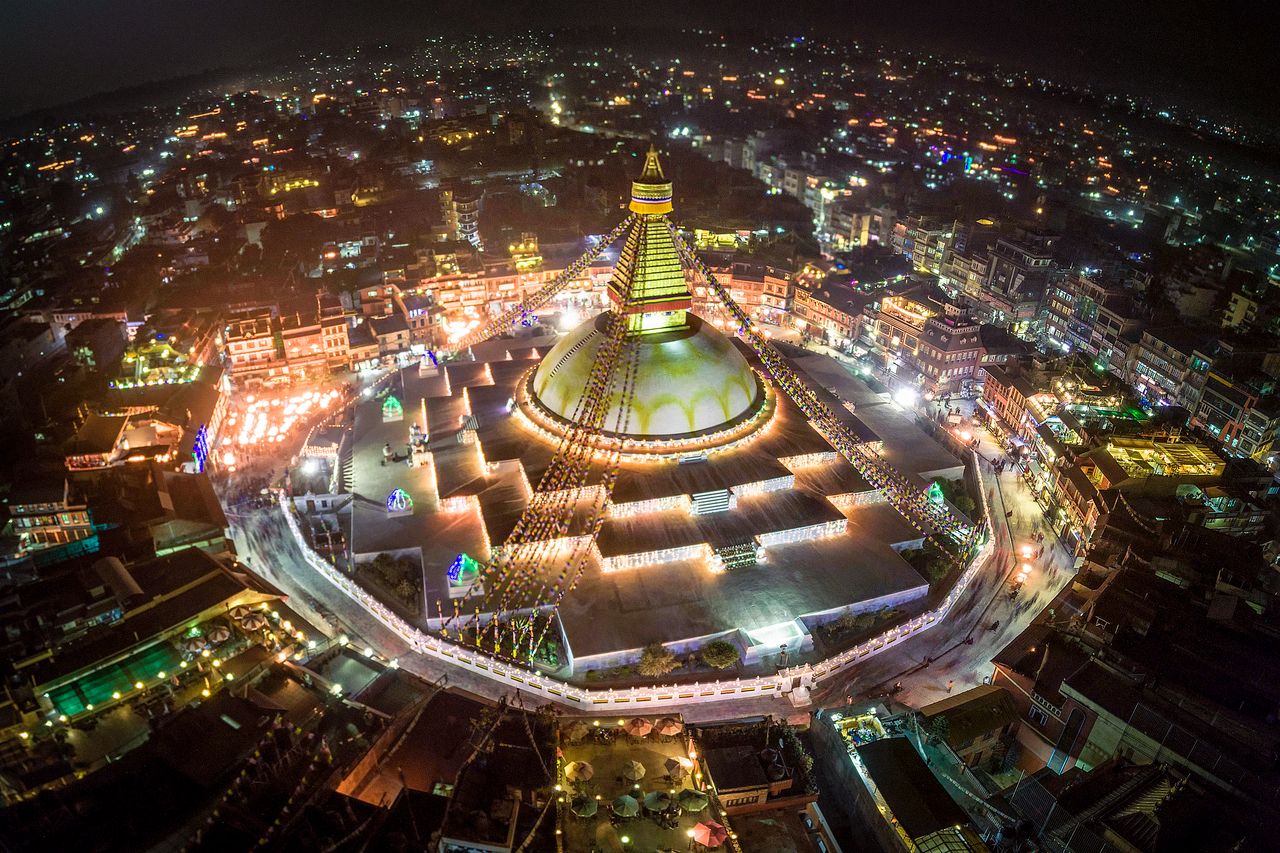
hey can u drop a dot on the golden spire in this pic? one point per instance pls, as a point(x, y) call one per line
point(651, 192)
point(649, 276)
point(652, 171)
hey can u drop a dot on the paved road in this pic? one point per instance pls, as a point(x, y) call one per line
point(985, 602)
point(263, 541)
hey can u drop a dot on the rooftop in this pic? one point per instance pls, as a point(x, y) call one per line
point(974, 712)
point(916, 798)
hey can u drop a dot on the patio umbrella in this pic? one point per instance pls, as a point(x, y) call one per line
point(675, 769)
point(626, 806)
point(218, 634)
point(637, 727)
point(692, 800)
point(633, 771)
point(669, 726)
point(193, 644)
point(708, 833)
point(578, 771)
point(584, 806)
point(577, 730)
point(240, 611)
point(657, 801)
point(254, 622)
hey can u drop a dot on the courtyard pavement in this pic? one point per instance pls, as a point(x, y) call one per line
point(608, 783)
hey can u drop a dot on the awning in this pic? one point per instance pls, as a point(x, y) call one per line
point(97, 687)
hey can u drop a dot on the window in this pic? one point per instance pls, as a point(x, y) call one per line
point(1035, 715)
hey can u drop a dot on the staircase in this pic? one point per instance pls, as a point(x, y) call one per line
point(741, 555)
point(706, 503)
point(345, 477)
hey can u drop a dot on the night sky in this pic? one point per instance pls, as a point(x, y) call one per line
point(53, 51)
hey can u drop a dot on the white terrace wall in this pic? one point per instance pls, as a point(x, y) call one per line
point(785, 681)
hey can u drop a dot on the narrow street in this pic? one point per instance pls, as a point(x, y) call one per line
point(985, 602)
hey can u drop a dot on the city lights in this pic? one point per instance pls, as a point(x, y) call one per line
point(607, 383)
point(260, 421)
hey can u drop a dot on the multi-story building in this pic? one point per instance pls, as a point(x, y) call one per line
point(303, 342)
point(893, 328)
point(379, 300)
point(1032, 669)
point(1007, 393)
point(262, 348)
point(1089, 486)
point(950, 353)
point(250, 345)
point(1169, 366)
point(1087, 694)
point(460, 205)
point(1241, 312)
point(924, 240)
point(392, 334)
point(1018, 276)
point(763, 291)
point(464, 293)
point(1241, 413)
point(832, 312)
point(336, 341)
point(1087, 316)
point(964, 272)
point(119, 629)
point(979, 723)
point(850, 225)
point(43, 515)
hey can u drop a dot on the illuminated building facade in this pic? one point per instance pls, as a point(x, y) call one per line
point(832, 313)
point(45, 515)
point(263, 349)
point(949, 353)
point(894, 328)
point(1240, 414)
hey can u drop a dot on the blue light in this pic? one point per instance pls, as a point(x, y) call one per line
point(399, 501)
point(200, 449)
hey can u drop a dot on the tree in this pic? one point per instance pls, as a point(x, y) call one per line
point(656, 659)
point(406, 591)
point(719, 655)
point(939, 728)
point(846, 622)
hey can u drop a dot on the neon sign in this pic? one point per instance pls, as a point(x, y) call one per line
point(399, 501)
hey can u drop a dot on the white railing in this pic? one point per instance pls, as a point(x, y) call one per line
point(518, 677)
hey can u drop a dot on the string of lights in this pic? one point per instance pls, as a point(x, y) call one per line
point(507, 319)
point(930, 518)
point(515, 577)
